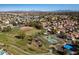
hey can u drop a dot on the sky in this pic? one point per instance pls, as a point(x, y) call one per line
point(38, 7)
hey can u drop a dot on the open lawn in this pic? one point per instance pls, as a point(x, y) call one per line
point(20, 46)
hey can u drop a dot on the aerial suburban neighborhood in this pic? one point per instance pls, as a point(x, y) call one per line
point(39, 33)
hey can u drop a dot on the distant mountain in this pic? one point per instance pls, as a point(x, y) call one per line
point(65, 11)
point(48, 11)
point(41, 11)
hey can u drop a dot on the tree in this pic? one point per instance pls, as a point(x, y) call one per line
point(6, 29)
point(21, 35)
point(37, 24)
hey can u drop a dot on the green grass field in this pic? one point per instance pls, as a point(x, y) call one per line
point(19, 46)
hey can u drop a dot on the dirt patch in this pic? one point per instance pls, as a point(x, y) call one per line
point(26, 28)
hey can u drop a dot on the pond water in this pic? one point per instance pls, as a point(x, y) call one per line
point(52, 39)
point(2, 52)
